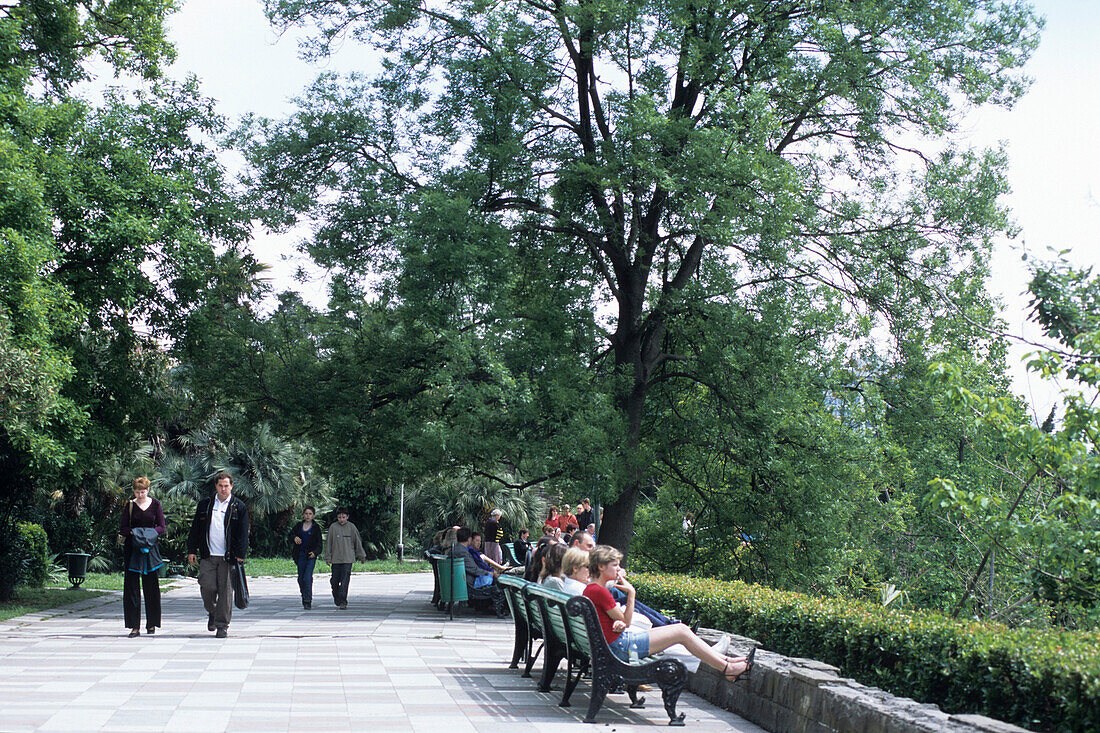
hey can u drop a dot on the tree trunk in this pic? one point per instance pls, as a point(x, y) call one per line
point(617, 527)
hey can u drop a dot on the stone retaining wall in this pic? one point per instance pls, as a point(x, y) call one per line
point(791, 695)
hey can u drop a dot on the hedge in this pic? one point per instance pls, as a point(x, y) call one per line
point(35, 549)
point(1040, 679)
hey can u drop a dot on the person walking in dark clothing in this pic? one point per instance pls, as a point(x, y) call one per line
point(218, 537)
point(342, 547)
point(305, 547)
point(140, 512)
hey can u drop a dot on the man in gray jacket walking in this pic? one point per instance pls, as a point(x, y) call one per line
point(342, 547)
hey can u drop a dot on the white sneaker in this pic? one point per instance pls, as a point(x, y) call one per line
point(722, 645)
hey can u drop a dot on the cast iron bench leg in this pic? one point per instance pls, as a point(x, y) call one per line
point(599, 692)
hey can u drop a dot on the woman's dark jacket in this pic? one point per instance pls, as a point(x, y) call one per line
point(144, 555)
point(133, 517)
point(314, 545)
point(236, 529)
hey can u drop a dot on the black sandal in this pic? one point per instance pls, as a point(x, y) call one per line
point(134, 632)
point(750, 660)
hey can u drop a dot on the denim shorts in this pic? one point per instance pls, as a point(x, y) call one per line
point(629, 641)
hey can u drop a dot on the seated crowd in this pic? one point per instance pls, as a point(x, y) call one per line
point(575, 564)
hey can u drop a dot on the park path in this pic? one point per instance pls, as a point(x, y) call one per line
point(389, 662)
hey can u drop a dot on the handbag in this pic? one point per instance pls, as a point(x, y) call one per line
point(240, 585)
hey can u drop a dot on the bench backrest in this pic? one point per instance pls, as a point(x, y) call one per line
point(509, 556)
point(513, 593)
point(571, 630)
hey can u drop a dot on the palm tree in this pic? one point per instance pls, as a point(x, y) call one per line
point(466, 499)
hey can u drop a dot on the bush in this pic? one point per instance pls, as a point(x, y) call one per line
point(1048, 680)
point(35, 550)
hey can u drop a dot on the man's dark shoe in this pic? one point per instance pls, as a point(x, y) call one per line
point(210, 622)
point(307, 605)
point(221, 633)
point(343, 606)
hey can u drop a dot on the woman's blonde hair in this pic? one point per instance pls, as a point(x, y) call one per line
point(141, 483)
point(602, 555)
point(574, 558)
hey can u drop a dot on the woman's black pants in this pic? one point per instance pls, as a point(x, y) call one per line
point(132, 586)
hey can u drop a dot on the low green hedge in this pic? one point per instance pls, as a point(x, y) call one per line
point(1046, 680)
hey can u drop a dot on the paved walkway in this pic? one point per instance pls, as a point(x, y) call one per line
point(389, 662)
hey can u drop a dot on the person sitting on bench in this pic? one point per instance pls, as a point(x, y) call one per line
point(481, 582)
point(624, 642)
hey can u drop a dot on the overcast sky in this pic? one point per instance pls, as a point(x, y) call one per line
point(1052, 134)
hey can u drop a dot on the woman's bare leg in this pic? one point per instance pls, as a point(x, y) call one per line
point(662, 637)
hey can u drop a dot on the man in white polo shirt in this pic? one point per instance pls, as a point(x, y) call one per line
point(219, 536)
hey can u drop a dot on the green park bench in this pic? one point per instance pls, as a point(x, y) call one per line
point(526, 633)
point(570, 628)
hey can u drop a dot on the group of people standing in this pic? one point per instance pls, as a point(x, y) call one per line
point(218, 543)
point(563, 521)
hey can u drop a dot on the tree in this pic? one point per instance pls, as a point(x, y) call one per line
point(1043, 517)
point(44, 45)
point(107, 236)
point(647, 156)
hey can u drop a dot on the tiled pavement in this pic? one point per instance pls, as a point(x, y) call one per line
point(389, 662)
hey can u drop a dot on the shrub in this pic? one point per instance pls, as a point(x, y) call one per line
point(35, 550)
point(1046, 679)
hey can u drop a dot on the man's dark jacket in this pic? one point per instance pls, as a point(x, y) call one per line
point(236, 529)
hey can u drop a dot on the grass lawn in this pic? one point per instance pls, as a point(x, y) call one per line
point(284, 567)
point(99, 581)
point(29, 600)
point(57, 592)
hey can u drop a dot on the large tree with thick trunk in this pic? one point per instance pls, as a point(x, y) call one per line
point(643, 156)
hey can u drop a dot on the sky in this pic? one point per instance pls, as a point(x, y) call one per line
point(1052, 136)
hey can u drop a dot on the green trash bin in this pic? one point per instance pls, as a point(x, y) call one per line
point(441, 568)
point(78, 567)
point(458, 580)
point(452, 582)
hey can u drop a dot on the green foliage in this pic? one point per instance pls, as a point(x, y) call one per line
point(1044, 513)
point(106, 239)
point(1046, 680)
point(552, 202)
point(12, 560)
point(36, 554)
point(284, 567)
point(466, 501)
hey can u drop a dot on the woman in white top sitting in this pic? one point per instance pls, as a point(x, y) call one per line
point(551, 575)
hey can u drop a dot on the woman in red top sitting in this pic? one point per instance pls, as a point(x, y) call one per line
point(614, 620)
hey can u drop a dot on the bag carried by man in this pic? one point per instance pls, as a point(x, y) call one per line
point(240, 585)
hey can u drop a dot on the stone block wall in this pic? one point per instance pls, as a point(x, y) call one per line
point(791, 695)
